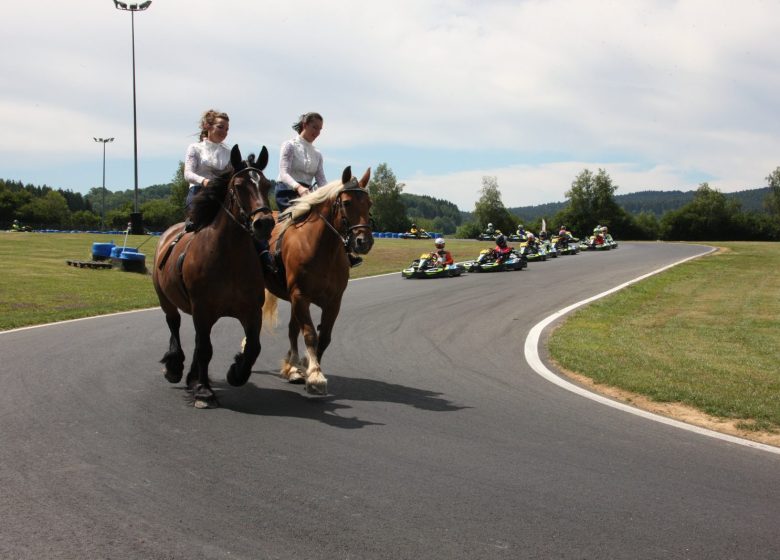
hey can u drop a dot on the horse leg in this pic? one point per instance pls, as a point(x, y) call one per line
point(173, 360)
point(241, 368)
point(325, 328)
point(315, 381)
point(290, 365)
point(200, 385)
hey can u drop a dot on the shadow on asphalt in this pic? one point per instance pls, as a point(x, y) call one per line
point(261, 398)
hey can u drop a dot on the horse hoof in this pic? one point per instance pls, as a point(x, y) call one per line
point(317, 388)
point(234, 379)
point(204, 397)
point(205, 403)
point(295, 377)
point(172, 376)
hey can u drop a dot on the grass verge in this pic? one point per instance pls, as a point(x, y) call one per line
point(37, 286)
point(704, 334)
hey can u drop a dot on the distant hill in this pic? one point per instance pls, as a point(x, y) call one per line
point(655, 202)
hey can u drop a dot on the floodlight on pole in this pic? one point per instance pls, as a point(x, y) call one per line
point(135, 219)
point(104, 141)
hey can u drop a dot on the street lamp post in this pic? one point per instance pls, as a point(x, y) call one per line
point(136, 220)
point(103, 204)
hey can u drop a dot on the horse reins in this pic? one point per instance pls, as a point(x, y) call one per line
point(339, 207)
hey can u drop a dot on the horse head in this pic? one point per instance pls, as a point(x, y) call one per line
point(354, 205)
point(248, 190)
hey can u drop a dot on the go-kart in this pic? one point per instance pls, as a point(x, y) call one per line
point(489, 236)
point(566, 245)
point(549, 248)
point(517, 237)
point(419, 234)
point(487, 262)
point(427, 266)
point(595, 243)
point(533, 252)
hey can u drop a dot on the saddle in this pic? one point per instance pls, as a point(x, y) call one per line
point(170, 249)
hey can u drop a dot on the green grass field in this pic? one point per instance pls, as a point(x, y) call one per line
point(704, 333)
point(37, 286)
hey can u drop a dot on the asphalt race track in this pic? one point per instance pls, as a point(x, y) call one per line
point(438, 440)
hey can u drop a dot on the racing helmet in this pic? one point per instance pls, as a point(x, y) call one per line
point(530, 235)
point(414, 225)
point(519, 226)
point(501, 241)
point(490, 225)
point(439, 242)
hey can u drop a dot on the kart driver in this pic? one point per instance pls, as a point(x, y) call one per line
point(443, 257)
point(502, 250)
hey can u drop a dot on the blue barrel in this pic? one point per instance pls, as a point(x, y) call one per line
point(101, 251)
point(132, 261)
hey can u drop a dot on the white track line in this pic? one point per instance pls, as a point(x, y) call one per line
point(533, 359)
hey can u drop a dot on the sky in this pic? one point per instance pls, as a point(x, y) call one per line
point(661, 94)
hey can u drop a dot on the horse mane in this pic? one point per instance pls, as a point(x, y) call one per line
point(207, 203)
point(301, 207)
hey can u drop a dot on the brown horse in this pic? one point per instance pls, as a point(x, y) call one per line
point(216, 272)
point(313, 236)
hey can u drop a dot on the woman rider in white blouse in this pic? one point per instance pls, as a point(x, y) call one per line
point(300, 166)
point(300, 163)
point(209, 157)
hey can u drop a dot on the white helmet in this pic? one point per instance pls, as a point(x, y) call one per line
point(439, 241)
point(530, 235)
point(490, 225)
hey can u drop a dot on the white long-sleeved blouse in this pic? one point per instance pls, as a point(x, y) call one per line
point(300, 162)
point(205, 160)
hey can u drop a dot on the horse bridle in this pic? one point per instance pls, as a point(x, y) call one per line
point(338, 207)
point(244, 219)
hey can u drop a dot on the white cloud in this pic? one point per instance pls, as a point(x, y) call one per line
point(661, 94)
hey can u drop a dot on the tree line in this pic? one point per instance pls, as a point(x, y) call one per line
point(707, 214)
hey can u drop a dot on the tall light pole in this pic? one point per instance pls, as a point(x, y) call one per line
point(103, 204)
point(136, 220)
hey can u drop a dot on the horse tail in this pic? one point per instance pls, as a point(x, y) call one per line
point(270, 312)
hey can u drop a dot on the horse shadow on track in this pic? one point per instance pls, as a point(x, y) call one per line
point(263, 399)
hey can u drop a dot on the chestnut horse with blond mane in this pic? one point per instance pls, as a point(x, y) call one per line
point(313, 237)
point(215, 272)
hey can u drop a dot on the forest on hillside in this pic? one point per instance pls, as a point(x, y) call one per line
point(705, 213)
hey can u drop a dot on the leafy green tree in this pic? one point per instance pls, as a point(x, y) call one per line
point(490, 209)
point(592, 202)
point(468, 230)
point(388, 208)
point(179, 188)
point(85, 220)
point(772, 200)
point(647, 225)
point(160, 214)
point(709, 216)
point(49, 209)
point(11, 200)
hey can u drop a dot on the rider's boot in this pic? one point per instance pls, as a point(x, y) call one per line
point(268, 262)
